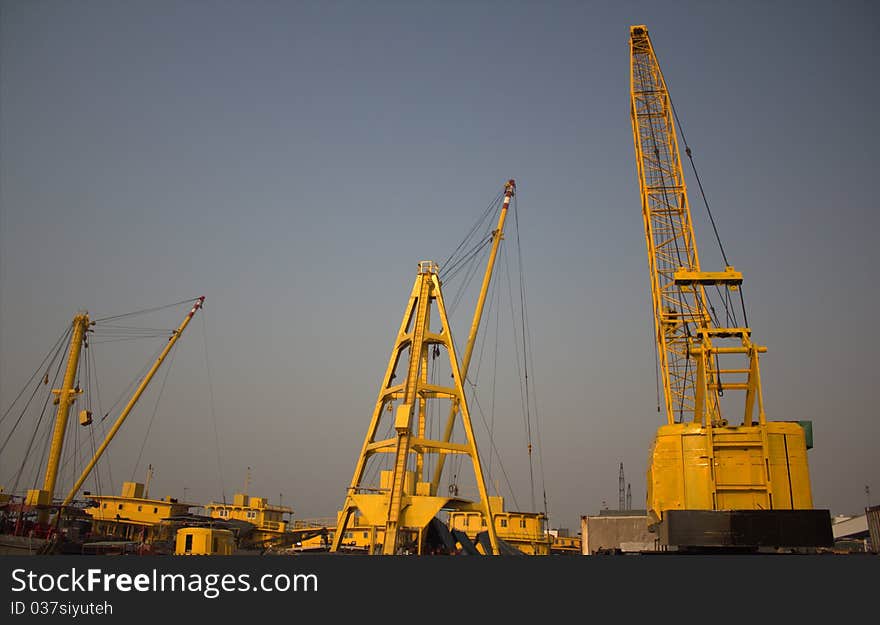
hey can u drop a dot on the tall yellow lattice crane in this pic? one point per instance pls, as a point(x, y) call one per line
point(709, 482)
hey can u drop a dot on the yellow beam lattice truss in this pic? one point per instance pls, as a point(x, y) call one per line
point(407, 500)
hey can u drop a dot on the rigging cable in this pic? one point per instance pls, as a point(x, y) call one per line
point(94, 376)
point(471, 270)
point(44, 456)
point(476, 374)
point(36, 430)
point(687, 150)
point(53, 353)
point(473, 230)
point(728, 307)
point(523, 408)
point(528, 357)
point(450, 272)
point(155, 410)
point(106, 458)
point(103, 420)
point(379, 461)
point(59, 345)
point(117, 333)
point(131, 385)
point(147, 310)
point(458, 460)
point(467, 261)
point(213, 412)
point(495, 449)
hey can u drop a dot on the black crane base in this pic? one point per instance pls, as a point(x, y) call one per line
point(745, 530)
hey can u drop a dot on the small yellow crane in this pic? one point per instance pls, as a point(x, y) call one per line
point(66, 396)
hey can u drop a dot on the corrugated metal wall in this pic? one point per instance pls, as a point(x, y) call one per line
point(873, 514)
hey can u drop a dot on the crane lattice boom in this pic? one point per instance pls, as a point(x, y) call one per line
point(685, 334)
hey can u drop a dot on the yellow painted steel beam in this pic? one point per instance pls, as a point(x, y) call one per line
point(65, 396)
point(389, 445)
point(434, 390)
point(728, 350)
point(708, 278)
point(440, 446)
point(403, 417)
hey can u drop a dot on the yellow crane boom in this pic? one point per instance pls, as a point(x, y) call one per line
point(679, 313)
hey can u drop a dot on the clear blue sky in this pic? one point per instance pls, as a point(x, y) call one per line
point(293, 161)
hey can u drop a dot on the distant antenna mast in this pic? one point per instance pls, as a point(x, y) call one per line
point(247, 480)
point(147, 485)
point(629, 497)
point(621, 488)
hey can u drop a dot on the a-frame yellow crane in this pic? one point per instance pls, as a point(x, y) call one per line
point(398, 512)
point(707, 478)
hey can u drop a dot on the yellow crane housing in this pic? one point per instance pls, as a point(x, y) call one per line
point(699, 460)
